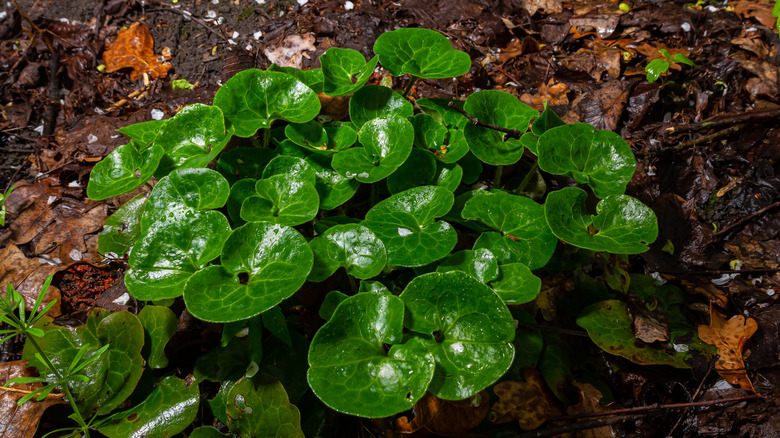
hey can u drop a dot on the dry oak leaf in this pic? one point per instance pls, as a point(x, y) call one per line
point(445, 417)
point(590, 403)
point(20, 421)
point(530, 403)
point(134, 48)
point(729, 337)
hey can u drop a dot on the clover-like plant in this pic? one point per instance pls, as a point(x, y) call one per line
point(657, 67)
point(390, 207)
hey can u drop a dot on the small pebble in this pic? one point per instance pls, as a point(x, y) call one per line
point(235, 35)
point(686, 27)
point(348, 6)
point(125, 297)
point(303, 2)
point(91, 138)
point(157, 114)
point(257, 34)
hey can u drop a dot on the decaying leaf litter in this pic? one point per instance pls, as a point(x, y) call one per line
point(707, 164)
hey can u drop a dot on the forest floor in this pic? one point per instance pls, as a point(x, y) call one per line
point(705, 137)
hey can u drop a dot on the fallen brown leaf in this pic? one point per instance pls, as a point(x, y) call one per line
point(729, 337)
point(20, 421)
point(134, 48)
point(530, 403)
point(548, 6)
point(446, 417)
point(590, 403)
point(27, 275)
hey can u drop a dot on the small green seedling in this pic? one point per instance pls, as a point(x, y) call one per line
point(658, 67)
point(3, 197)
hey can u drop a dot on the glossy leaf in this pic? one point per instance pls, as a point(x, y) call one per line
point(330, 303)
point(656, 68)
point(547, 120)
point(160, 324)
point(351, 246)
point(259, 407)
point(522, 236)
point(419, 169)
point(332, 188)
point(358, 364)
point(123, 170)
point(183, 191)
point(471, 331)
point(609, 325)
point(253, 99)
point(345, 71)
point(406, 223)
point(623, 225)
point(192, 138)
point(172, 250)
point(387, 142)
point(286, 195)
point(516, 284)
point(480, 264)
point(601, 159)
point(501, 109)
point(239, 192)
point(240, 163)
point(429, 134)
point(310, 135)
point(144, 133)
point(208, 432)
point(122, 228)
point(341, 135)
point(274, 322)
point(423, 53)
point(168, 410)
point(112, 377)
point(374, 101)
point(312, 77)
point(262, 264)
point(455, 146)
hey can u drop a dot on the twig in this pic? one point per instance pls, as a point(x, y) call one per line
point(132, 95)
point(752, 116)
point(512, 133)
point(35, 27)
point(747, 218)
point(188, 15)
point(50, 121)
point(696, 393)
point(655, 407)
point(553, 329)
point(581, 425)
point(701, 140)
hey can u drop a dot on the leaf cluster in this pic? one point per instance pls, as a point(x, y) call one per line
point(384, 198)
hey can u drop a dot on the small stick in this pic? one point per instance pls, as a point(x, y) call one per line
point(747, 218)
point(513, 133)
point(701, 140)
point(752, 116)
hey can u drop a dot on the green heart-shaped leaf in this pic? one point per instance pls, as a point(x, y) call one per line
point(333, 188)
point(345, 71)
point(239, 192)
point(192, 138)
point(454, 146)
point(428, 133)
point(276, 261)
point(501, 109)
point(523, 234)
point(312, 77)
point(259, 407)
point(240, 163)
point(406, 224)
point(419, 169)
point(113, 376)
point(310, 135)
point(123, 170)
point(516, 284)
point(183, 191)
point(546, 121)
point(387, 143)
point(480, 264)
point(351, 246)
point(471, 327)
point(160, 323)
point(122, 228)
point(352, 371)
point(253, 98)
point(600, 158)
point(423, 53)
point(610, 325)
point(286, 195)
point(144, 133)
point(623, 225)
point(169, 409)
point(374, 101)
point(172, 250)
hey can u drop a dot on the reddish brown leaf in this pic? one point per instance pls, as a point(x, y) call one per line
point(445, 417)
point(529, 402)
point(729, 337)
point(20, 421)
point(134, 48)
point(590, 403)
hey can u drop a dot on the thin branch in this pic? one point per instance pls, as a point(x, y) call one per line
point(511, 133)
point(752, 116)
point(707, 139)
point(747, 218)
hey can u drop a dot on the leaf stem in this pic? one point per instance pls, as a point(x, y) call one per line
point(511, 133)
point(497, 176)
point(527, 177)
point(409, 86)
